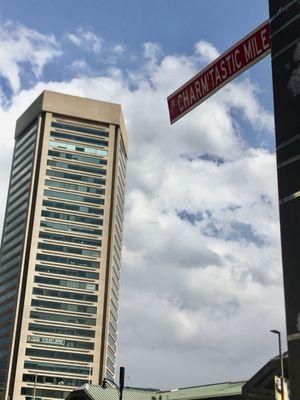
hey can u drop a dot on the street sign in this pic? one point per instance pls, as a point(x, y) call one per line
point(224, 69)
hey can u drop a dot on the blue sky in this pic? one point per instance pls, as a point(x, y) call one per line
point(201, 281)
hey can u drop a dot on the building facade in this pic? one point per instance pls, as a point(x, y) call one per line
point(285, 42)
point(61, 247)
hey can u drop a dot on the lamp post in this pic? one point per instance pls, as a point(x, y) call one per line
point(281, 360)
point(121, 382)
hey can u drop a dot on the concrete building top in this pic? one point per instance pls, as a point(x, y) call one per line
point(73, 106)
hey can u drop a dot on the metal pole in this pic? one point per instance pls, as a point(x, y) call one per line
point(121, 382)
point(281, 361)
point(34, 387)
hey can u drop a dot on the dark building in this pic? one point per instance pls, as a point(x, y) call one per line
point(285, 41)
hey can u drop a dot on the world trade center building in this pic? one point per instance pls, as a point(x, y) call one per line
point(61, 247)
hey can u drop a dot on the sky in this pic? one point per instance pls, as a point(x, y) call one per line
point(201, 279)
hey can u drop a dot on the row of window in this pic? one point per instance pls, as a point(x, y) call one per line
point(75, 157)
point(65, 295)
point(68, 249)
point(53, 380)
point(77, 167)
point(80, 128)
point(72, 344)
point(67, 319)
point(68, 260)
point(70, 176)
point(77, 138)
point(84, 149)
point(41, 393)
point(66, 271)
point(58, 355)
point(73, 218)
point(73, 207)
point(64, 306)
point(75, 197)
point(72, 186)
point(63, 282)
point(71, 228)
point(44, 366)
point(70, 239)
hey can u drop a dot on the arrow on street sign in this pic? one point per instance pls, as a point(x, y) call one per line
point(224, 69)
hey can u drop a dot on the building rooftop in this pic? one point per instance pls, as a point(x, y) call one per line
point(96, 392)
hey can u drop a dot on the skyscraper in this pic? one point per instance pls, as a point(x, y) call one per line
point(61, 247)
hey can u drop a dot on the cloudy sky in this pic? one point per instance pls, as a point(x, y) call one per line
point(201, 280)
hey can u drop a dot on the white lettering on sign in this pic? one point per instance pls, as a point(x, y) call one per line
point(221, 71)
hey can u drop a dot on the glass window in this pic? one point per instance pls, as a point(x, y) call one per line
point(71, 228)
point(63, 282)
point(64, 306)
point(67, 249)
point(56, 394)
point(66, 271)
point(65, 295)
point(71, 319)
point(73, 218)
point(53, 380)
point(82, 148)
point(110, 365)
point(77, 167)
point(83, 139)
point(75, 197)
point(82, 178)
point(68, 260)
point(71, 239)
point(59, 355)
point(72, 186)
point(25, 136)
point(78, 128)
point(43, 366)
point(61, 331)
point(73, 207)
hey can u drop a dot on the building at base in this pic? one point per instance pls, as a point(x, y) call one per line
point(61, 247)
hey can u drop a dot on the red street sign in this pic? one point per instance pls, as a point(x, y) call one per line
point(224, 69)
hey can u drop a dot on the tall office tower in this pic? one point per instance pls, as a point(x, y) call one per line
point(61, 247)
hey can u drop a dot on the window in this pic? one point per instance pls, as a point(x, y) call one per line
point(59, 355)
point(64, 306)
point(67, 283)
point(74, 218)
point(65, 295)
point(72, 186)
point(43, 366)
point(71, 228)
point(85, 149)
point(78, 128)
point(66, 271)
point(71, 196)
point(61, 330)
point(84, 139)
point(67, 249)
point(71, 239)
point(82, 178)
point(71, 319)
point(53, 380)
point(73, 207)
point(57, 394)
point(77, 167)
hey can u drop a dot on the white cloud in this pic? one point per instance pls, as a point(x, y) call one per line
point(19, 45)
point(206, 51)
point(201, 280)
point(118, 49)
point(86, 39)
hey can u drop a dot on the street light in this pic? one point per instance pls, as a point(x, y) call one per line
point(121, 382)
point(281, 360)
